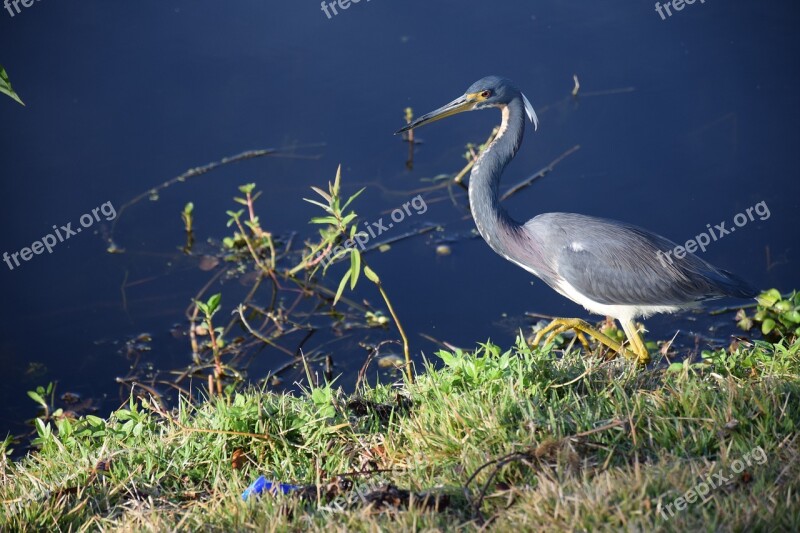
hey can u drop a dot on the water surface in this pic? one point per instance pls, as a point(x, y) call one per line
point(681, 123)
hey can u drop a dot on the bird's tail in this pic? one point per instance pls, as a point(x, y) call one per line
point(732, 285)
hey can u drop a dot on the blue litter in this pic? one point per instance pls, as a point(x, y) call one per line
point(262, 485)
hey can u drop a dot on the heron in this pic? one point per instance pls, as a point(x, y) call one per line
point(610, 268)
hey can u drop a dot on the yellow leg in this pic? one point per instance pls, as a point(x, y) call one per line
point(551, 337)
point(561, 329)
point(642, 355)
point(583, 341)
point(560, 325)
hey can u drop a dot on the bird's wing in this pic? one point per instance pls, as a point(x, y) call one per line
point(614, 263)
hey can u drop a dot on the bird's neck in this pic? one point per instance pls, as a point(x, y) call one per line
point(492, 220)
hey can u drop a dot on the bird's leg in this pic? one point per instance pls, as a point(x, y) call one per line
point(555, 324)
point(559, 325)
point(551, 337)
point(578, 335)
point(642, 355)
point(583, 341)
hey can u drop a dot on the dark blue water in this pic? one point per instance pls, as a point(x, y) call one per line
point(682, 122)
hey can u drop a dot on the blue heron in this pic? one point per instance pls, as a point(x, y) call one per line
point(611, 268)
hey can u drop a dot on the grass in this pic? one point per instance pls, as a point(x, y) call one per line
point(586, 445)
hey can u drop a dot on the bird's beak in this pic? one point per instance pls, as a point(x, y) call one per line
point(459, 105)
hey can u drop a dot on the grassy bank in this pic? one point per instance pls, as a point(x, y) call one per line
point(586, 445)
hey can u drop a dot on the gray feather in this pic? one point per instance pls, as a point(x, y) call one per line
point(615, 263)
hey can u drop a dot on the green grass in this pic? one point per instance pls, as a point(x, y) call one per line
point(598, 445)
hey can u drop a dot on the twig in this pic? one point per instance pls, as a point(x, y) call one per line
point(372, 353)
point(542, 173)
point(198, 171)
point(190, 429)
point(529, 454)
point(257, 335)
point(409, 363)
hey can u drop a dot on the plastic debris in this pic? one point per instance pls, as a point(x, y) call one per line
point(262, 485)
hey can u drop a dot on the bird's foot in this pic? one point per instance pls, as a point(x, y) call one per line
point(583, 329)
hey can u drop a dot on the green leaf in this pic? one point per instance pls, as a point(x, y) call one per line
point(5, 86)
point(793, 316)
point(319, 204)
point(247, 188)
point(36, 398)
point(213, 303)
point(188, 208)
point(768, 298)
point(41, 428)
point(95, 420)
point(675, 367)
point(356, 195)
point(335, 257)
point(446, 357)
point(767, 326)
point(342, 285)
point(337, 182)
point(324, 220)
point(322, 193)
point(371, 275)
point(355, 267)
point(348, 219)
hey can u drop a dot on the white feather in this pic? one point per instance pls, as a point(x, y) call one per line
point(531, 113)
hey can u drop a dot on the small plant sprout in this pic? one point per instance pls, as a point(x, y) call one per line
point(409, 137)
point(338, 227)
point(256, 240)
point(45, 397)
point(209, 309)
point(188, 226)
point(5, 86)
point(778, 316)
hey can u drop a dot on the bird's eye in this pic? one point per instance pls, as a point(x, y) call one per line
point(486, 94)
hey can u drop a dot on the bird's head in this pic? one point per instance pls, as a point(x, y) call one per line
point(491, 91)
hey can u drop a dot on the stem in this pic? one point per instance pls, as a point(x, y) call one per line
point(250, 247)
point(474, 157)
point(250, 208)
point(259, 233)
point(312, 263)
point(409, 363)
point(215, 350)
